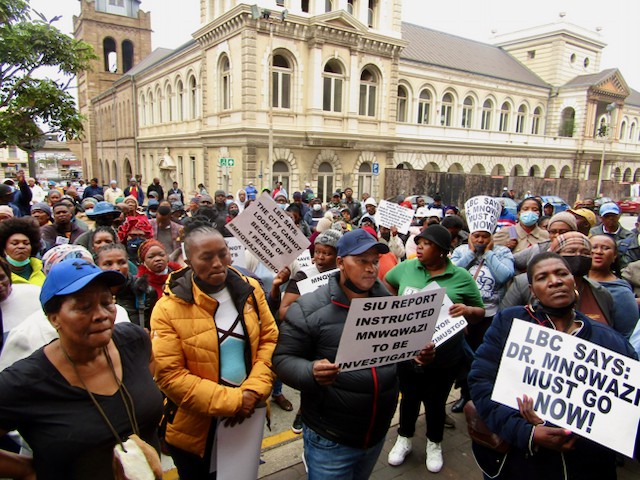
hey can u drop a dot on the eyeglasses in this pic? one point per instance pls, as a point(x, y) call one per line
point(206, 202)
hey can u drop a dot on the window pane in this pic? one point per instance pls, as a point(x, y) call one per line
point(337, 107)
point(326, 94)
point(372, 100)
point(363, 100)
point(275, 98)
point(286, 90)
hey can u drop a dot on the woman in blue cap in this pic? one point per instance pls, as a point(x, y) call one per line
point(78, 397)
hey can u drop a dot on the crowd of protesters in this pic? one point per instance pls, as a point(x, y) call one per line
point(145, 329)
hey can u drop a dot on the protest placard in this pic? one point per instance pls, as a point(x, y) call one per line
point(575, 384)
point(311, 284)
point(304, 259)
point(482, 213)
point(447, 326)
point(236, 249)
point(391, 214)
point(269, 233)
point(383, 330)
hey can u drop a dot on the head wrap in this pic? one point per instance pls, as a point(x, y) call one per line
point(139, 222)
point(567, 239)
point(146, 246)
point(63, 252)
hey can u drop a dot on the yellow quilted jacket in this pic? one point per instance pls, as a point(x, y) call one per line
point(186, 350)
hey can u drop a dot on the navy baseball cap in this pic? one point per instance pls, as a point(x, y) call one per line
point(72, 275)
point(358, 241)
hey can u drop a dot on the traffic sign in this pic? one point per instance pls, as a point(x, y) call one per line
point(375, 169)
point(227, 162)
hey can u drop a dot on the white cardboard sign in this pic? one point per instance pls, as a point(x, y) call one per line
point(447, 326)
point(236, 249)
point(304, 259)
point(383, 330)
point(389, 214)
point(575, 384)
point(269, 233)
point(482, 213)
point(311, 284)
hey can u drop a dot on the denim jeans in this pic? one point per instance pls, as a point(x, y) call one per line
point(329, 460)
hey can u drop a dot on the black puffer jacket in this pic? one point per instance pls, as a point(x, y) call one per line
point(357, 409)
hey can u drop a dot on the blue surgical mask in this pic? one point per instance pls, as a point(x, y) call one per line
point(282, 206)
point(529, 218)
point(228, 202)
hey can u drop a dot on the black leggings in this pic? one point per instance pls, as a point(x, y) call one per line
point(431, 386)
point(191, 466)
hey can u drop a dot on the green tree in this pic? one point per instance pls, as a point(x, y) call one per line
point(30, 48)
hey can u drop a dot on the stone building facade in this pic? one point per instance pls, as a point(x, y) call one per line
point(333, 92)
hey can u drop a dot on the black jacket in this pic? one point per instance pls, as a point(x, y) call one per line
point(357, 409)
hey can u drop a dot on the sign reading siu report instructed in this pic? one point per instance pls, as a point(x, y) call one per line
point(269, 233)
point(482, 213)
point(383, 330)
point(575, 384)
point(389, 214)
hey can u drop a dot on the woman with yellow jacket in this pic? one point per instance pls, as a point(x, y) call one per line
point(213, 336)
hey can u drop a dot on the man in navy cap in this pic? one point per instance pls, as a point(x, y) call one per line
point(610, 216)
point(345, 417)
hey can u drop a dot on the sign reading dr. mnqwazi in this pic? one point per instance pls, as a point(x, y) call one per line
point(575, 384)
point(383, 330)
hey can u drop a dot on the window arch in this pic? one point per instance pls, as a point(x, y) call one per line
point(467, 112)
point(632, 131)
point(225, 83)
point(535, 121)
point(365, 178)
point(168, 103)
point(328, 5)
point(352, 7)
point(180, 101)
point(127, 56)
point(333, 81)
point(193, 96)
point(159, 104)
point(505, 111)
point(424, 107)
point(567, 121)
point(143, 109)
point(110, 53)
point(487, 109)
point(368, 90)
point(281, 74)
point(281, 174)
point(521, 118)
point(446, 110)
point(403, 97)
point(325, 181)
point(372, 13)
point(623, 130)
point(152, 108)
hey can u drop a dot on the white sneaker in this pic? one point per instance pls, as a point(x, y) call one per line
point(400, 450)
point(434, 456)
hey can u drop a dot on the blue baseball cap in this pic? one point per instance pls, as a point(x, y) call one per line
point(358, 241)
point(72, 275)
point(609, 207)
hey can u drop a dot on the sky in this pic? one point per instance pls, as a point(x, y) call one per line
point(474, 19)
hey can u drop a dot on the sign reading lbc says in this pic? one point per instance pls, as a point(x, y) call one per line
point(575, 384)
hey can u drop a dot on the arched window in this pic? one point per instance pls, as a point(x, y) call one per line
point(467, 112)
point(193, 97)
point(368, 91)
point(623, 130)
point(328, 5)
point(401, 114)
point(152, 109)
point(424, 107)
point(446, 110)
point(127, 56)
point(110, 55)
point(504, 117)
point(180, 101)
point(535, 121)
point(351, 7)
point(225, 83)
point(168, 103)
point(365, 179)
point(333, 81)
point(159, 98)
point(281, 82)
point(487, 109)
point(372, 13)
point(521, 118)
point(143, 110)
point(567, 122)
point(325, 181)
point(632, 131)
point(281, 173)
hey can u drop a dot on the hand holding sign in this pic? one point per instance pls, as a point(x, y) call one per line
point(325, 372)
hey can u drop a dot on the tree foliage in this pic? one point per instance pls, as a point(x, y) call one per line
point(32, 51)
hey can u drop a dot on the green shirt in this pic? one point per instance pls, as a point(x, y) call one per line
point(460, 286)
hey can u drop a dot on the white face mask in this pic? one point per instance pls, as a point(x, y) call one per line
point(317, 207)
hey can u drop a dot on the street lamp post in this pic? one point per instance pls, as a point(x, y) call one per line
point(610, 108)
